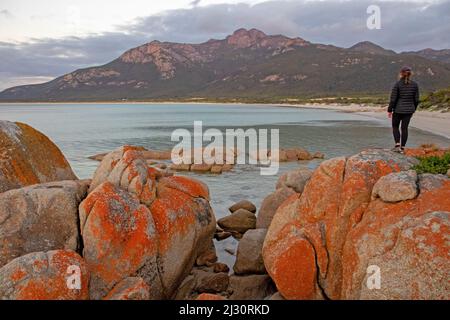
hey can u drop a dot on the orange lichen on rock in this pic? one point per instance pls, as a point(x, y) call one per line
point(292, 263)
point(407, 240)
point(184, 225)
point(129, 201)
point(131, 288)
point(210, 296)
point(192, 187)
point(333, 202)
point(426, 151)
point(28, 157)
point(60, 275)
point(119, 237)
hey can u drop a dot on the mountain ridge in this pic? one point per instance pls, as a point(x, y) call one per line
point(244, 65)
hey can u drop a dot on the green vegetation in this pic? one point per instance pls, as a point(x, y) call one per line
point(433, 164)
point(437, 101)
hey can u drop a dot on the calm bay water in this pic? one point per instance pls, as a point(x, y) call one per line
point(82, 130)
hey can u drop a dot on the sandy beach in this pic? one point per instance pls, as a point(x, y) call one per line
point(434, 122)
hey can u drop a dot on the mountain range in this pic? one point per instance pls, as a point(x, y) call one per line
point(248, 64)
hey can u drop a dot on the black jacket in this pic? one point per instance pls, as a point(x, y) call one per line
point(404, 97)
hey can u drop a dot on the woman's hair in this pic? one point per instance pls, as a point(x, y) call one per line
point(405, 74)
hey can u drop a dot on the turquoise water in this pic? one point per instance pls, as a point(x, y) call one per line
point(82, 130)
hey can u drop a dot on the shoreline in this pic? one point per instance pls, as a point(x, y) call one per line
point(431, 121)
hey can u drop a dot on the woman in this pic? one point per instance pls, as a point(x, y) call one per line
point(403, 103)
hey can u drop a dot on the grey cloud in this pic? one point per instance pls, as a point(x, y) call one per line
point(5, 13)
point(405, 26)
point(195, 3)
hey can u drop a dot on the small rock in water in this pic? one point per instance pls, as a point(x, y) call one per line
point(318, 155)
point(243, 204)
point(240, 221)
point(229, 250)
point(220, 267)
point(216, 169)
point(219, 236)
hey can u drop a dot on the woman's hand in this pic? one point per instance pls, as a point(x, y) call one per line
point(389, 115)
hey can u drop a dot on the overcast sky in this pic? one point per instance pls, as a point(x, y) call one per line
point(40, 40)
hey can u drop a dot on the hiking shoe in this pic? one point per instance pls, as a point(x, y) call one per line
point(396, 149)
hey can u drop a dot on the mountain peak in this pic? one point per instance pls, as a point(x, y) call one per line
point(370, 47)
point(244, 38)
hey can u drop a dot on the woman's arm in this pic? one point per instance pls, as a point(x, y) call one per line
point(394, 98)
point(417, 98)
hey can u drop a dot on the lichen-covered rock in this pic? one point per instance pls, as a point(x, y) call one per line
point(315, 228)
point(397, 186)
point(127, 169)
point(249, 253)
point(28, 157)
point(53, 275)
point(270, 205)
point(108, 163)
point(408, 241)
point(120, 240)
point(133, 174)
point(185, 225)
point(131, 288)
point(40, 217)
point(157, 224)
point(240, 221)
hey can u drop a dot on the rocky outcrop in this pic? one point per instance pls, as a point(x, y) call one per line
point(120, 240)
point(131, 288)
point(139, 222)
point(321, 243)
point(41, 217)
point(45, 276)
point(108, 164)
point(28, 157)
point(407, 241)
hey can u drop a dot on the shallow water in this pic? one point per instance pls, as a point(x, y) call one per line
point(82, 130)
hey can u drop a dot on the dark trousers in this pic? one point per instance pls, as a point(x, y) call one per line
point(401, 121)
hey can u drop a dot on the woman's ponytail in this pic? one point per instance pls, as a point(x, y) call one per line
point(407, 77)
point(405, 74)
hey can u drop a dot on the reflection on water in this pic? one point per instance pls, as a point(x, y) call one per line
point(81, 130)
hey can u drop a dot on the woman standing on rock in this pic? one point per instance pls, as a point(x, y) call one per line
point(403, 103)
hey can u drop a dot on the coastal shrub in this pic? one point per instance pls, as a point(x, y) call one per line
point(436, 101)
point(433, 164)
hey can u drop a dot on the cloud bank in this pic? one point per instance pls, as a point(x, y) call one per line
point(405, 26)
